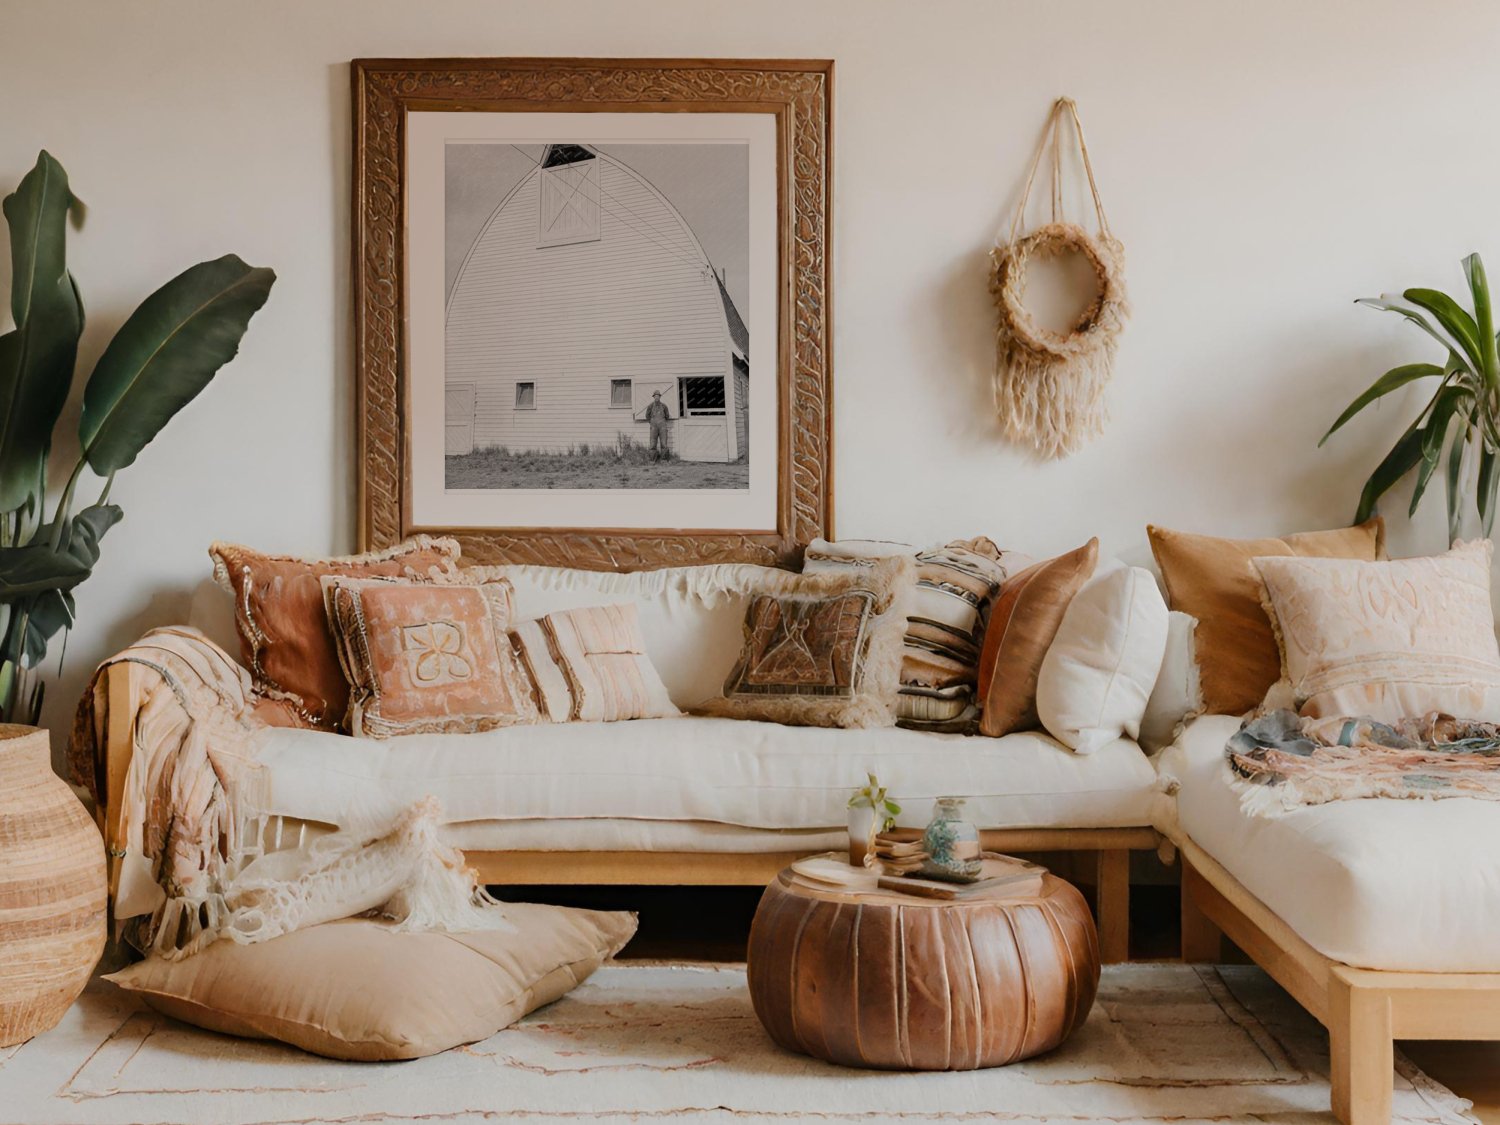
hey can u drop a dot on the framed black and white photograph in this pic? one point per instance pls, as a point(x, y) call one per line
point(602, 308)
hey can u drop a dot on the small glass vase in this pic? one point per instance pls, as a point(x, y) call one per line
point(951, 843)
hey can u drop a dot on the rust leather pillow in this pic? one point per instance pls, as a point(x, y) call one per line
point(278, 612)
point(1215, 581)
point(427, 657)
point(1023, 622)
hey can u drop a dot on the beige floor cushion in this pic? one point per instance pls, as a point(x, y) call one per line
point(358, 990)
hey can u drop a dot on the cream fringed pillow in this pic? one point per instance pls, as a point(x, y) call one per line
point(1388, 640)
point(427, 657)
point(590, 665)
point(356, 990)
point(823, 649)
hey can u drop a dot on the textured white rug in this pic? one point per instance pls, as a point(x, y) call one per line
point(642, 1042)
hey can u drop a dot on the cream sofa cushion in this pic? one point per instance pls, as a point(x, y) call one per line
point(1390, 640)
point(1099, 670)
point(728, 771)
point(1178, 695)
point(357, 990)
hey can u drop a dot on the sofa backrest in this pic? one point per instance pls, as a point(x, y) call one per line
point(691, 617)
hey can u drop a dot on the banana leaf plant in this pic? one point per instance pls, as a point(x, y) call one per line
point(164, 354)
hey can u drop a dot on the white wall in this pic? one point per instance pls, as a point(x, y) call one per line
point(1264, 164)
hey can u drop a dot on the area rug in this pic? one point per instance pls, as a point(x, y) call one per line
point(644, 1042)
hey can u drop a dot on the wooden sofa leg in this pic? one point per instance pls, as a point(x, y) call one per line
point(1202, 941)
point(1361, 1052)
point(1112, 886)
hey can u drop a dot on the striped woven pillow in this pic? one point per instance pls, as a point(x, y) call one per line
point(956, 584)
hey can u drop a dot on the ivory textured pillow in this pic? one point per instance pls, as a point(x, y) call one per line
point(823, 649)
point(424, 657)
point(590, 665)
point(1213, 580)
point(1391, 640)
point(1100, 668)
point(285, 640)
point(356, 990)
point(1026, 617)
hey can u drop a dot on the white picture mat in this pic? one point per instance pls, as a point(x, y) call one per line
point(433, 505)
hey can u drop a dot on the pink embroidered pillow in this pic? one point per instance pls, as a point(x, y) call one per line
point(590, 665)
point(1390, 640)
point(427, 657)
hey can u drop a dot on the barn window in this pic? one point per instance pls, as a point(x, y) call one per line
point(701, 394)
point(569, 196)
point(619, 393)
point(525, 396)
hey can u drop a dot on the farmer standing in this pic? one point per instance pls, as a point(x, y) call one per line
point(658, 415)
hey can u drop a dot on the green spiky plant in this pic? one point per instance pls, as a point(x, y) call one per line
point(1457, 427)
point(163, 355)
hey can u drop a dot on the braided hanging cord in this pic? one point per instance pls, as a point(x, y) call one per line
point(1049, 386)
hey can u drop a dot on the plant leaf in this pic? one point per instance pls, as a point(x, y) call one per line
point(168, 351)
point(1455, 476)
point(37, 356)
point(1392, 302)
point(1454, 319)
point(1402, 458)
point(1393, 379)
point(1484, 316)
point(37, 567)
point(1445, 404)
point(1488, 480)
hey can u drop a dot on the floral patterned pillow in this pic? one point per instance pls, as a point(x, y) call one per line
point(427, 657)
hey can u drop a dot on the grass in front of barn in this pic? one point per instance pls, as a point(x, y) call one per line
point(624, 465)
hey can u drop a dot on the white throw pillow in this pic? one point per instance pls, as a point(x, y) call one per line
point(1098, 674)
point(1178, 694)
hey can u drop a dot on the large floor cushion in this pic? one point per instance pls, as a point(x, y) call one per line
point(729, 771)
point(1379, 884)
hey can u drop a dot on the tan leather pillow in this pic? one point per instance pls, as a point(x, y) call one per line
point(1023, 622)
point(285, 640)
point(357, 990)
point(1214, 580)
point(427, 657)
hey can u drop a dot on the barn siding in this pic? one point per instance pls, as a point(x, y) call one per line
point(638, 304)
point(741, 411)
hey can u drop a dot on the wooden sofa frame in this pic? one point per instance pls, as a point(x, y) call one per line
point(1364, 1010)
point(1111, 846)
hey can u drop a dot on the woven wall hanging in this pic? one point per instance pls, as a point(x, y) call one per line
point(1049, 386)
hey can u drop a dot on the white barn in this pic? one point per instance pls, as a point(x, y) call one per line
point(585, 292)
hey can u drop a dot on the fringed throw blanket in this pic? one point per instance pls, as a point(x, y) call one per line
point(1281, 761)
point(191, 842)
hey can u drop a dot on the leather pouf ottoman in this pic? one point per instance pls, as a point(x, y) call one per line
point(889, 980)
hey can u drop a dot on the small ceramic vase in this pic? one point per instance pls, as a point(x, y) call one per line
point(951, 843)
point(861, 832)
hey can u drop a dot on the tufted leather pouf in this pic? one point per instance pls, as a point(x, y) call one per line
point(888, 980)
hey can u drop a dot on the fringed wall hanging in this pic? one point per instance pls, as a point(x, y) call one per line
point(1049, 386)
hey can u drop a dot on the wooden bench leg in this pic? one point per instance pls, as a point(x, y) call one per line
point(1361, 1052)
point(1202, 941)
point(1112, 886)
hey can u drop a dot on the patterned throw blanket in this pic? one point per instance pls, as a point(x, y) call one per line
point(1281, 761)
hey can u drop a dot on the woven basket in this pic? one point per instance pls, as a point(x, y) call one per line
point(52, 889)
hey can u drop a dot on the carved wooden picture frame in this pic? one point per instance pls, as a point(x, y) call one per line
point(390, 100)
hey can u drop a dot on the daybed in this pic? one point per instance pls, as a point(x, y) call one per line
point(1378, 915)
point(671, 801)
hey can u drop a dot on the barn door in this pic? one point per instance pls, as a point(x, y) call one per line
point(458, 412)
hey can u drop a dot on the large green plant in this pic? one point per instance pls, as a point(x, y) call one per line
point(162, 356)
point(1457, 427)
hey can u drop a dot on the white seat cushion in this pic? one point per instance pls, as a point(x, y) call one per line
point(730, 771)
point(1379, 884)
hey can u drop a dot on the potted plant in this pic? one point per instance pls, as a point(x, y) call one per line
point(1457, 427)
point(162, 356)
point(871, 811)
